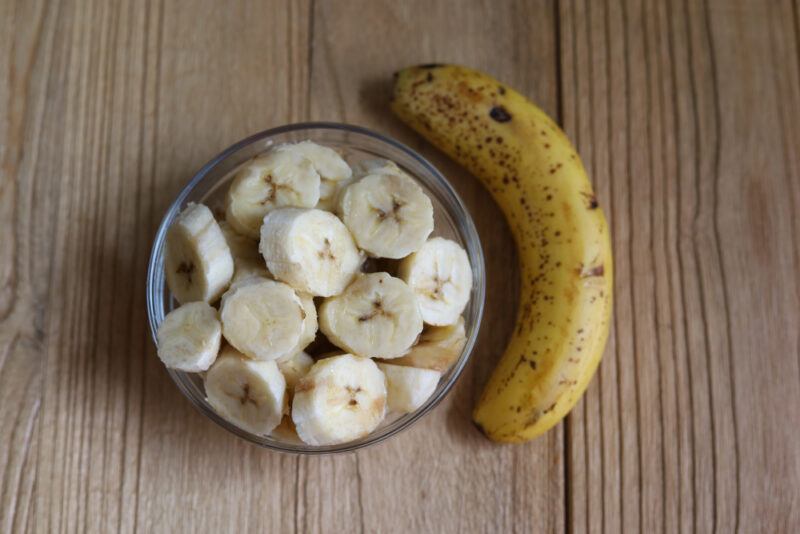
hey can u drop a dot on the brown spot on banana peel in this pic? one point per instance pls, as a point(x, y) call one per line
point(499, 114)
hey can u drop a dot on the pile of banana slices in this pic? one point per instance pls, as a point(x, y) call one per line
point(290, 259)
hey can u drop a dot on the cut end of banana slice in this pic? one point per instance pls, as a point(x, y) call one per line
point(377, 316)
point(262, 318)
point(310, 324)
point(439, 347)
point(340, 399)
point(330, 193)
point(375, 166)
point(294, 368)
point(311, 250)
point(276, 179)
point(334, 172)
point(286, 431)
point(389, 214)
point(441, 277)
point(197, 260)
point(247, 393)
point(326, 161)
point(247, 260)
point(189, 337)
point(408, 387)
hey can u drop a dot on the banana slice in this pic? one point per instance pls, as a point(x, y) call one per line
point(340, 399)
point(246, 271)
point(408, 387)
point(441, 276)
point(247, 260)
point(377, 316)
point(438, 348)
point(262, 318)
point(189, 337)
point(286, 432)
point(248, 393)
point(279, 178)
point(389, 215)
point(329, 194)
point(310, 324)
point(333, 170)
point(375, 166)
point(197, 259)
point(294, 368)
point(311, 250)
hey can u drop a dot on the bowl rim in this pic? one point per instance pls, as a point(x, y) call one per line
point(469, 235)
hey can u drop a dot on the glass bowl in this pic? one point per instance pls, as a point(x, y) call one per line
point(209, 186)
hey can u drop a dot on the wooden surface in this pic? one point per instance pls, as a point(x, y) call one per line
point(687, 114)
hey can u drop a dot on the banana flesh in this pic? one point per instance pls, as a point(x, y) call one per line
point(408, 387)
point(440, 275)
point(438, 348)
point(262, 318)
point(282, 177)
point(309, 249)
point(189, 337)
point(388, 213)
point(198, 261)
point(376, 316)
point(342, 398)
point(250, 394)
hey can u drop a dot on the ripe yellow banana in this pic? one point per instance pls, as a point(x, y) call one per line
point(532, 170)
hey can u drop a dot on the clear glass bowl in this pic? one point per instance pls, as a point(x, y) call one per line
point(209, 186)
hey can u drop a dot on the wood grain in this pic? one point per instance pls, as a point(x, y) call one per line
point(508, 489)
point(681, 111)
point(687, 115)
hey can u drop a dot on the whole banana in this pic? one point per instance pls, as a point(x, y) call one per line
point(533, 172)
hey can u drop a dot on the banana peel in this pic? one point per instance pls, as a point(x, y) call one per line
point(536, 177)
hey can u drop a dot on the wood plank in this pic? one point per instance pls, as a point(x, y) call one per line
point(687, 114)
point(111, 107)
point(442, 476)
point(681, 112)
point(212, 89)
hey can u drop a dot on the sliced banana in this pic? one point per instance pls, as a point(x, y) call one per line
point(310, 324)
point(189, 337)
point(250, 394)
point(197, 260)
point(246, 271)
point(441, 277)
point(438, 348)
point(377, 316)
point(340, 399)
point(262, 318)
point(375, 166)
point(311, 250)
point(286, 432)
point(334, 172)
point(279, 178)
point(247, 260)
point(329, 194)
point(389, 215)
point(294, 368)
point(408, 387)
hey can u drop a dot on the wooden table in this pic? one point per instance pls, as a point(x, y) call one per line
point(687, 114)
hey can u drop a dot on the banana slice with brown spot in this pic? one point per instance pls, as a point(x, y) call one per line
point(377, 316)
point(248, 393)
point(342, 398)
point(197, 260)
